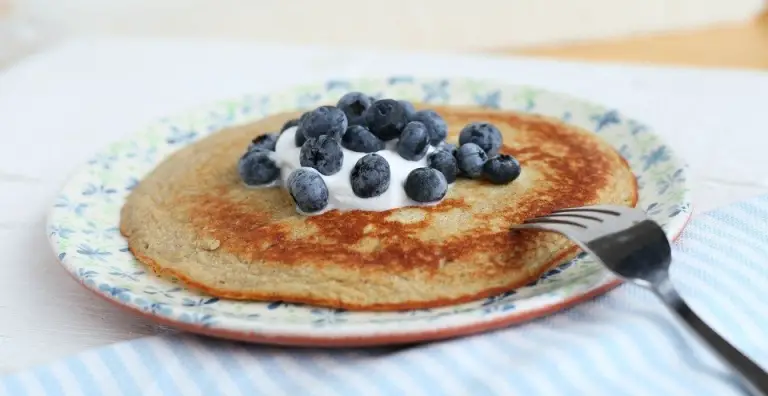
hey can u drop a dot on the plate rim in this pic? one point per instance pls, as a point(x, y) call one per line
point(299, 336)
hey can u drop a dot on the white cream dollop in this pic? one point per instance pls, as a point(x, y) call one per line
point(340, 194)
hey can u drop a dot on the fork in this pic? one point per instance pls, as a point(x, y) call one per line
point(636, 249)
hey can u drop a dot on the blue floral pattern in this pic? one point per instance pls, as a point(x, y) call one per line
point(83, 228)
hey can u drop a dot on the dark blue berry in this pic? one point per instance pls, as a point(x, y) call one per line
point(436, 126)
point(359, 138)
point(370, 176)
point(445, 162)
point(354, 104)
point(425, 185)
point(268, 141)
point(470, 159)
point(324, 120)
point(409, 109)
point(256, 168)
point(501, 169)
point(449, 147)
point(308, 190)
point(323, 154)
point(289, 124)
point(386, 119)
point(299, 137)
point(483, 134)
point(414, 141)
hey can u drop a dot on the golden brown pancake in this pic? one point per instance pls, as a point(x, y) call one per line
point(193, 219)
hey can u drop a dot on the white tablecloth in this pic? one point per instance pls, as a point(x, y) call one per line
point(62, 105)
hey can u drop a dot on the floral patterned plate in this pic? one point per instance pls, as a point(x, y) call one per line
point(83, 224)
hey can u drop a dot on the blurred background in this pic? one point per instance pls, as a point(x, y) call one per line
point(703, 32)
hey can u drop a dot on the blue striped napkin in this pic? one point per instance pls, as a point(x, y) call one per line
point(623, 343)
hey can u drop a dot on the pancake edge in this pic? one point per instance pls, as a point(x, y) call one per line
point(564, 256)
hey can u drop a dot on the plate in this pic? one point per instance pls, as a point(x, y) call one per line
point(83, 223)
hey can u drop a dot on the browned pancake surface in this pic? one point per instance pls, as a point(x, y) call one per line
point(193, 219)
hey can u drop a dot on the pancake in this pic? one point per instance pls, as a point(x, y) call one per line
point(191, 218)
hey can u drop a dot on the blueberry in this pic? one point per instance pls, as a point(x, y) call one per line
point(289, 124)
point(414, 141)
point(436, 126)
point(267, 142)
point(256, 168)
point(324, 120)
point(354, 104)
point(449, 147)
point(322, 153)
point(501, 169)
point(299, 137)
point(470, 158)
point(409, 109)
point(386, 119)
point(370, 176)
point(445, 162)
point(483, 134)
point(308, 190)
point(359, 138)
point(426, 185)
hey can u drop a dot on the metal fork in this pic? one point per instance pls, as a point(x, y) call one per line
point(635, 248)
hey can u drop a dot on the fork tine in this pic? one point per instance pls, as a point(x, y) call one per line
point(551, 220)
point(564, 228)
point(585, 221)
point(608, 212)
point(577, 215)
point(591, 209)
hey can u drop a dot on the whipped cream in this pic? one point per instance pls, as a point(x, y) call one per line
point(340, 194)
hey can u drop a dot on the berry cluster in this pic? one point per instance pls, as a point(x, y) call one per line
point(362, 124)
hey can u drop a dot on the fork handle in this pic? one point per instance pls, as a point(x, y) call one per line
point(752, 376)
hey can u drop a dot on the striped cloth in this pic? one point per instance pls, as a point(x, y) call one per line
point(623, 343)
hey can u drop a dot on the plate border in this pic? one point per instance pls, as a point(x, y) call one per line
point(372, 340)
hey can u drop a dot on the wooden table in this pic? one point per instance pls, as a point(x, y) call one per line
point(739, 45)
point(742, 45)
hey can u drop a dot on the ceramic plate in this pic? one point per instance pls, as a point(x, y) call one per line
point(83, 224)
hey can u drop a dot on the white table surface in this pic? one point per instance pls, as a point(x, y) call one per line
point(61, 106)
